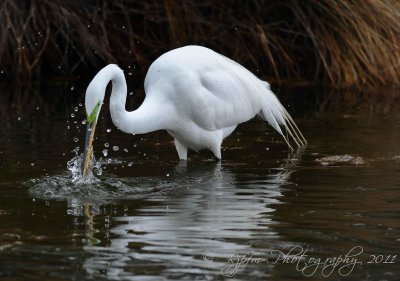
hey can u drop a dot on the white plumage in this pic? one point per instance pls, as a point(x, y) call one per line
point(197, 95)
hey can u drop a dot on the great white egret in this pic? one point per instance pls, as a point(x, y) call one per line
point(196, 94)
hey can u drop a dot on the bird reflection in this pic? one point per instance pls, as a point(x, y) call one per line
point(209, 208)
point(89, 224)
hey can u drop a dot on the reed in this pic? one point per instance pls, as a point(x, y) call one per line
point(343, 44)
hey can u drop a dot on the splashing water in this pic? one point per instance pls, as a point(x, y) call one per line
point(69, 184)
point(75, 167)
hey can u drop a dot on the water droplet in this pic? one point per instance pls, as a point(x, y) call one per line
point(106, 144)
point(37, 108)
point(130, 164)
point(32, 164)
point(115, 148)
point(167, 175)
point(135, 145)
point(80, 104)
point(68, 127)
point(130, 73)
point(84, 122)
point(19, 118)
point(267, 148)
point(76, 139)
point(131, 93)
point(125, 149)
point(105, 152)
point(72, 115)
point(108, 130)
point(76, 109)
point(72, 88)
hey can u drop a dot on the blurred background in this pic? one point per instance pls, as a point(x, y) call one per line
point(340, 44)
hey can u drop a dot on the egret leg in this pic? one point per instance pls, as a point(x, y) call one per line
point(217, 152)
point(217, 160)
point(217, 139)
point(181, 149)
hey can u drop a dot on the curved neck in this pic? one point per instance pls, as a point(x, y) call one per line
point(147, 118)
point(118, 99)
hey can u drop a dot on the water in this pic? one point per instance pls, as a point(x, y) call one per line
point(146, 216)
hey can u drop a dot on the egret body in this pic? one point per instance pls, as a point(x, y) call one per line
point(196, 94)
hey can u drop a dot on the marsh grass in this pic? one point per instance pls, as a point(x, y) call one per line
point(338, 43)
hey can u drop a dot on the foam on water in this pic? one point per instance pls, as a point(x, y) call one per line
point(345, 159)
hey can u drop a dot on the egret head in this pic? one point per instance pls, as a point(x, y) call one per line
point(93, 102)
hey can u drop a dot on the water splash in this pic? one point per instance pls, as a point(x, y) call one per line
point(70, 183)
point(97, 187)
point(75, 167)
point(91, 189)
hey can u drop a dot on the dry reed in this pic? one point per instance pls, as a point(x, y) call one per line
point(341, 43)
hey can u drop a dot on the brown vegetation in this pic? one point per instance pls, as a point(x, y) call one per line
point(341, 43)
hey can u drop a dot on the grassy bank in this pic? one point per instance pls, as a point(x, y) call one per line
point(340, 43)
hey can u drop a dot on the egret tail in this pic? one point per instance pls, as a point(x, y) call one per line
point(277, 116)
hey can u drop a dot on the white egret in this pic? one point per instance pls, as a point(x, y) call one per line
point(196, 94)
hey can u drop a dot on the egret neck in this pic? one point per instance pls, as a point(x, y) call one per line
point(152, 115)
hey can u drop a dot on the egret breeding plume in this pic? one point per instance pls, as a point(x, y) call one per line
point(196, 94)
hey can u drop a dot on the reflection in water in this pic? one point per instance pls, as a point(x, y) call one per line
point(90, 230)
point(212, 212)
point(154, 220)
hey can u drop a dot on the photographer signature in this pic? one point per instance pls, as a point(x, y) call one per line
point(343, 264)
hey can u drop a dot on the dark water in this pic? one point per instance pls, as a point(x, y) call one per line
point(260, 214)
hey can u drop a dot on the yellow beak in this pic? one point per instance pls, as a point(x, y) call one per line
point(88, 150)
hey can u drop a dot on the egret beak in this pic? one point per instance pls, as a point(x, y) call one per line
point(88, 150)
